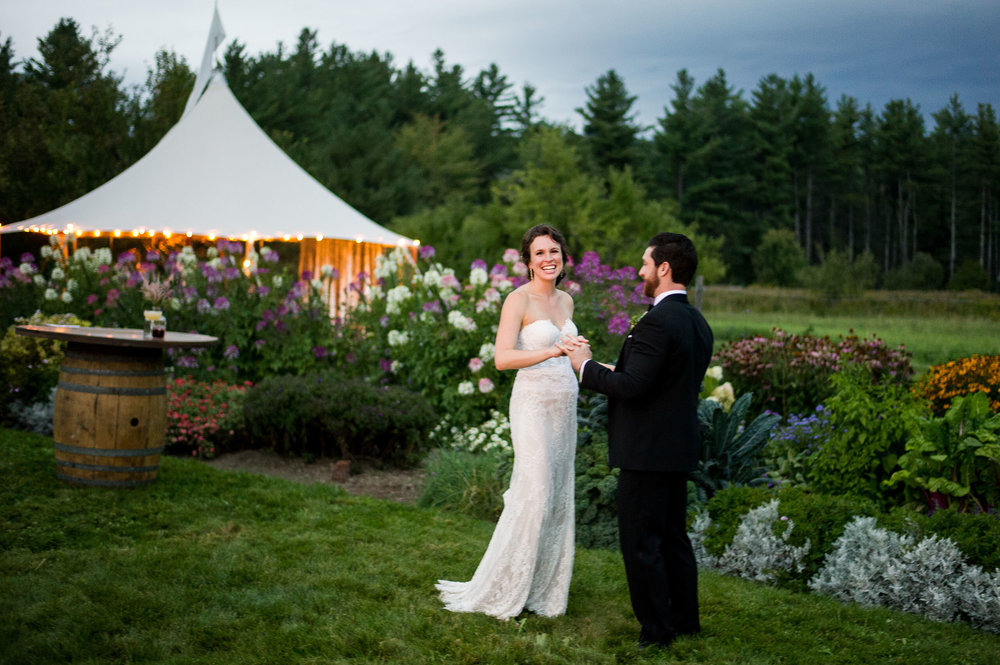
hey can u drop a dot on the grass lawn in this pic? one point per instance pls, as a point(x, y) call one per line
point(210, 566)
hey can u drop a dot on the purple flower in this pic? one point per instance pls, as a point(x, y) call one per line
point(432, 306)
point(479, 263)
point(307, 275)
point(203, 306)
point(221, 303)
point(27, 257)
point(618, 324)
point(259, 343)
point(152, 256)
point(499, 269)
point(351, 358)
point(231, 352)
point(320, 352)
point(232, 272)
point(262, 291)
point(385, 364)
point(426, 252)
point(187, 361)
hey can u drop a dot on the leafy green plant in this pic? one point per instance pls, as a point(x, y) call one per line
point(322, 413)
point(465, 482)
point(730, 447)
point(870, 424)
point(29, 366)
point(792, 445)
point(955, 459)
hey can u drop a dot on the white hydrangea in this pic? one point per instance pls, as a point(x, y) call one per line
point(478, 277)
point(39, 280)
point(460, 321)
point(491, 436)
point(82, 255)
point(46, 251)
point(50, 294)
point(67, 297)
point(326, 272)
point(211, 252)
point(71, 284)
point(486, 351)
point(715, 372)
point(277, 281)
point(466, 388)
point(431, 278)
point(398, 338)
point(724, 395)
point(317, 284)
point(27, 268)
point(103, 256)
point(395, 367)
point(395, 296)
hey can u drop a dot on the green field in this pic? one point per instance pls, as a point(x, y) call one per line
point(210, 566)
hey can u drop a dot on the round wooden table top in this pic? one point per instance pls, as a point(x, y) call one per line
point(116, 336)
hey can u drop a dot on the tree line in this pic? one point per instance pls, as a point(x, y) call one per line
point(466, 162)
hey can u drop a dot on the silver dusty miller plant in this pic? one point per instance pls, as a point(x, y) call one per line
point(756, 553)
point(873, 566)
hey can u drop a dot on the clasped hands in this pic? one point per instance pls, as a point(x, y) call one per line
point(577, 348)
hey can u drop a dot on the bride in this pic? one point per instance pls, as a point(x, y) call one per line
point(529, 561)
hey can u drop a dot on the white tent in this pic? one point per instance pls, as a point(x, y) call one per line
point(216, 174)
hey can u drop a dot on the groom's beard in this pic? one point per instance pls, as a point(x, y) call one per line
point(649, 286)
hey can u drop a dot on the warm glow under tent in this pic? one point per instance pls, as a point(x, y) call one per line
point(216, 174)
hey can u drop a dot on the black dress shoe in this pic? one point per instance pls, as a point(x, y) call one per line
point(648, 643)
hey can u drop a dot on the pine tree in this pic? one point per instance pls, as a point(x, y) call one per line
point(609, 125)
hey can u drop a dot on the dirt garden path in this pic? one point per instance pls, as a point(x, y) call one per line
point(401, 486)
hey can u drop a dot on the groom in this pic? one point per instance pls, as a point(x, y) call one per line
point(654, 440)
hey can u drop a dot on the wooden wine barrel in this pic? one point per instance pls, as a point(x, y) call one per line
point(109, 424)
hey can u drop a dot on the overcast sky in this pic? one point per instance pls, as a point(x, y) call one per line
point(873, 50)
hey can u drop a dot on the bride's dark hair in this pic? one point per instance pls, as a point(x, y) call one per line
point(538, 231)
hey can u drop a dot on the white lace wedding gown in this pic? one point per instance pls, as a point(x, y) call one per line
point(529, 561)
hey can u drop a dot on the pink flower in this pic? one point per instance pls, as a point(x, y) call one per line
point(485, 385)
point(475, 365)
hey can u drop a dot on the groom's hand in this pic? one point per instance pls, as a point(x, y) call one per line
point(578, 354)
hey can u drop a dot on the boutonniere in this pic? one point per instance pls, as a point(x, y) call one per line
point(634, 319)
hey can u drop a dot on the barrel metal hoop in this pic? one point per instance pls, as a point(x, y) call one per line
point(105, 483)
point(104, 467)
point(108, 452)
point(110, 390)
point(113, 372)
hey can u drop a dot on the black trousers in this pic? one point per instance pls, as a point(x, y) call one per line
point(659, 561)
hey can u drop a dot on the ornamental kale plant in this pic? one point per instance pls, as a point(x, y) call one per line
point(791, 373)
point(730, 446)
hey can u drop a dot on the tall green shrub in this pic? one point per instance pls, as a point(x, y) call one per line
point(870, 425)
point(324, 414)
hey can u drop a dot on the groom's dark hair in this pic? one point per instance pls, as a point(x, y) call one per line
point(679, 252)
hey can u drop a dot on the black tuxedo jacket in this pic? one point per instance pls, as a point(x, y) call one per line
point(653, 391)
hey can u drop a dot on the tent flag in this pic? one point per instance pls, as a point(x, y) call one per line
point(215, 36)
